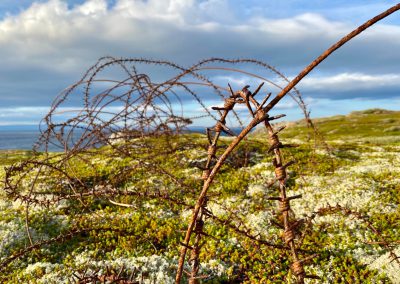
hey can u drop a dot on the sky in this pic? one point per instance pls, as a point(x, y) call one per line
point(47, 45)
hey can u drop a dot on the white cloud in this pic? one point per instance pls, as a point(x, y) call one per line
point(323, 84)
point(171, 10)
point(17, 110)
point(13, 113)
point(59, 37)
point(350, 82)
point(50, 44)
point(301, 27)
point(93, 8)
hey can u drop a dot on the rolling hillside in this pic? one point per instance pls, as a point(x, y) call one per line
point(349, 182)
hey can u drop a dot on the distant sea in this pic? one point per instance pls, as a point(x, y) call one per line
point(24, 137)
point(18, 137)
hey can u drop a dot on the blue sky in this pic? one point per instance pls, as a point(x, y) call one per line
point(46, 45)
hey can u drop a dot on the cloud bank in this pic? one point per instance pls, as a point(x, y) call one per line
point(48, 45)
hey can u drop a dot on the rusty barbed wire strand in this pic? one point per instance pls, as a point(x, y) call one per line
point(261, 117)
point(146, 112)
point(219, 127)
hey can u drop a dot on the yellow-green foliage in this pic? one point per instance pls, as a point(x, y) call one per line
point(145, 238)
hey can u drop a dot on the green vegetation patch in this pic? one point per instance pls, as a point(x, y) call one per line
point(350, 194)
